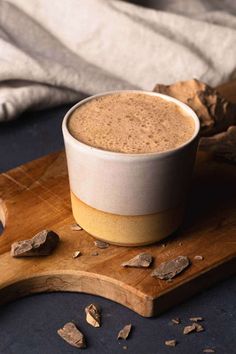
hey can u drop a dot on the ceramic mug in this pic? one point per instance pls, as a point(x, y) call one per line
point(129, 199)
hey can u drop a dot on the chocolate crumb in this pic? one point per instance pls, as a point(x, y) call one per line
point(195, 327)
point(76, 227)
point(168, 270)
point(176, 320)
point(101, 244)
point(72, 335)
point(169, 280)
point(198, 258)
point(208, 350)
point(93, 316)
point(42, 244)
point(94, 254)
point(171, 343)
point(196, 319)
point(124, 332)
point(76, 254)
point(142, 260)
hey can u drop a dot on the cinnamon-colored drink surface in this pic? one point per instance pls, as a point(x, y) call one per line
point(131, 123)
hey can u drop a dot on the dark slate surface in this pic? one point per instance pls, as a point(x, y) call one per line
point(28, 326)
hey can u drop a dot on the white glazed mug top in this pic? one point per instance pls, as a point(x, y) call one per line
point(130, 184)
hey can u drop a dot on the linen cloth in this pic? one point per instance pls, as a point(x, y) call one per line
point(58, 51)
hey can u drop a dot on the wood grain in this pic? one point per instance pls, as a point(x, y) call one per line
point(36, 196)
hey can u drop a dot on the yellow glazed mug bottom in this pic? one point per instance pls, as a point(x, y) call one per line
point(126, 230)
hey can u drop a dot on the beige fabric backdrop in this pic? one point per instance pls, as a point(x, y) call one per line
point(57, 51)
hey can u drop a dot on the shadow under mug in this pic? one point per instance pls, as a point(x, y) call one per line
point(129, 199)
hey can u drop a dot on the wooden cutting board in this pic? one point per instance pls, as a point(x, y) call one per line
point(36, 196)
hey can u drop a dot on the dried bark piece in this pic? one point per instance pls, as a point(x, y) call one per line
point(198, 258)
point(222, 144)
point(168, 270)
point(93, 316)
point(196, 319)
point(72, 335)
point(171, 343)
point(101, 244)
point(142, 260)
point(216, 114)
point(76, 254)
point(42, 244)
point(76, 227)
point(195, 327)
point(208, 350)
point(176, 320)
point(124, 332)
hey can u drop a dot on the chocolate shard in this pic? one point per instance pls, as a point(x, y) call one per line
point(42, 244)
point(195, 327)
point(196, 319)
point(171, 343)
point(142, 260)
point(176, 320)
point(101, 244)
point(72, 335)
point(124, 332)
point(76, 227)
point(93, 316)
point(168, 270)
point(76, 254)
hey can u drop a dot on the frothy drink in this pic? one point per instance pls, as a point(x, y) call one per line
point(131, 123)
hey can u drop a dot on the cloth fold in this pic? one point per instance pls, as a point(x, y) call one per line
point(53, 52)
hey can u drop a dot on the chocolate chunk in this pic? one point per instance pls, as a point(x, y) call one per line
point(171, 343)
point(72, 335)
point(101, 244)
point(42, 244)
point(93, 316)
point(124, 332)
point(76, 227)
point(196, 319)
point(168, 270)
point(176, 320)
point(142, 260)
point(76, 254)
point(195, 327)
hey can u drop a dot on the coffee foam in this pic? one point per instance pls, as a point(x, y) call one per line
point(130, 122)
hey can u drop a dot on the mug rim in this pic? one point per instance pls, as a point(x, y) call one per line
point(128, 156)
